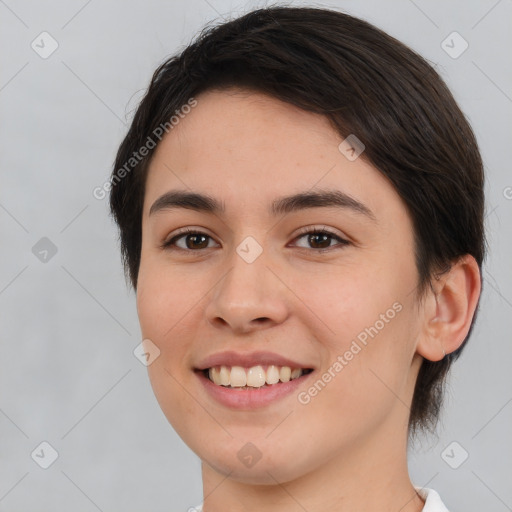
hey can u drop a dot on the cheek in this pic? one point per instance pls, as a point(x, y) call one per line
point(366, 325)
point(162, 313)
point(347, 300)
point(361, 387)
point(169, 306)
point(164, 300)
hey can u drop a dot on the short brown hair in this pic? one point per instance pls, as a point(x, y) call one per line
point(366, 83)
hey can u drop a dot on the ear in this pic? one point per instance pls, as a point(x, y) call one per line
point(449, 310)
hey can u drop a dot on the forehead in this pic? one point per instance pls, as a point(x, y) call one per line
point(246, 148)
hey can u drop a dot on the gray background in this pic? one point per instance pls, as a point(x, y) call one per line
point(68, 324)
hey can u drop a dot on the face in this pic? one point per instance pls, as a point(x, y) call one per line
point(325, 284)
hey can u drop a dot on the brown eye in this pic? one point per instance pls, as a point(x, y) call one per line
point(320, 240)
point(193, 240)
point(317, 239)
point(196, 241)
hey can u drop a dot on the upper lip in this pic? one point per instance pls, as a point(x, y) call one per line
point(247, 360)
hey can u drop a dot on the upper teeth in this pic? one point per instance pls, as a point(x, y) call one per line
point(256, 376)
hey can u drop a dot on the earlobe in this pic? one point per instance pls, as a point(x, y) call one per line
point(448, 313)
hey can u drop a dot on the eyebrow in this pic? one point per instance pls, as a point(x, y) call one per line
point(283, 205)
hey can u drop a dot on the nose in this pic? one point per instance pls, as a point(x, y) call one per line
point(249, 297)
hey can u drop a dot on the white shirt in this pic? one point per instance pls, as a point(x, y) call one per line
point(432, 499)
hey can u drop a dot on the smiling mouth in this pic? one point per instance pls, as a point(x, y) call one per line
point(260, 376)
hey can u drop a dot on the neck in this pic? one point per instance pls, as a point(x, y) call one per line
point(372, 476)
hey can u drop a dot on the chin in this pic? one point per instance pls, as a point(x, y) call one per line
point(262, 473)
point(242, 461)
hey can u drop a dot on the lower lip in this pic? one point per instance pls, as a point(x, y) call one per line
point(250, 398)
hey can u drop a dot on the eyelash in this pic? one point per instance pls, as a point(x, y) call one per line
point(304, 231)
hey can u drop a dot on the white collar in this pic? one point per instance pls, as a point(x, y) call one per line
point(432, 499)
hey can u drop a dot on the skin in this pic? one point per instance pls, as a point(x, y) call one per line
point(345, 449)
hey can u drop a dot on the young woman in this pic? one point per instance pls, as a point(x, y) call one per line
point(300, 203)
